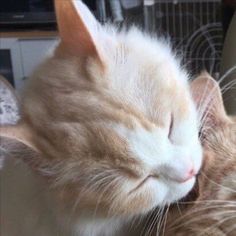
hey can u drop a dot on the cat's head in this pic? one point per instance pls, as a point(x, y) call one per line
point(213, 211)
point(112, 117)
point(218, 136)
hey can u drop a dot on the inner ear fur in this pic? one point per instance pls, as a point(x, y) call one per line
point(17, 142)
point(208, 98)
point(13, 148)
point(74, 31)
point(19, 133)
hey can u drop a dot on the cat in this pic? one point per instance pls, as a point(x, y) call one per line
point(213, 212)
point(109, 121)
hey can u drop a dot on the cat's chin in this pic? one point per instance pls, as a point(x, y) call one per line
point(180, 190)
point(169, 192)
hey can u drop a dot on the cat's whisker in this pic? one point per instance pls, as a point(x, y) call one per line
point(191, 213)
point(200, 210)
point(201, 108)
point(205, 100)
point(219, 185)
point(226, 74)
point(211, 207)
point(150, 224)
point(149, 217)
point(92, 185)
point(114, 181)
point(228, 86)
point(203, 122)
point(202, 217)
point(64, 178)
point(218, 223)
point(89, 183)
point(135, 221)
point(208, 201)
point(165, 220)
point(115, 200)
point(155, 220)
point(159, 220)
point(178, 207)
point(202, 111)
point(231, 229)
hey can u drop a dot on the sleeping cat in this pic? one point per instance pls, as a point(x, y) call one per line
point(109, 122)
point(213, 213)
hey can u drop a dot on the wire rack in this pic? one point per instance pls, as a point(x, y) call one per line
point(196, 29)
point(193, 25)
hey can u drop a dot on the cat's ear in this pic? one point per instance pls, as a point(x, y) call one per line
point(78, 28)
point(9, 116)
point(16, 139)
point(17, 142)
point(18, 133)
point(208, 98)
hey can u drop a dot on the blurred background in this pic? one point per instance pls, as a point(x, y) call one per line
point(198, 30)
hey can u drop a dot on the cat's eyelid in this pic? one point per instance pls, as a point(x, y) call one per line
point(171, 126)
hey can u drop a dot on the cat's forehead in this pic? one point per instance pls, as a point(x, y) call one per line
point(143, 72)
point(135, 51)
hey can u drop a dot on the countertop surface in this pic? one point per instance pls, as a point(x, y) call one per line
point(28, 34)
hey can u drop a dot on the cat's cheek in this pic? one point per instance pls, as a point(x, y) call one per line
point(159, 192)
point(152, 194)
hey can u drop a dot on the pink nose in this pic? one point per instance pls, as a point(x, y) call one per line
point(189, 175)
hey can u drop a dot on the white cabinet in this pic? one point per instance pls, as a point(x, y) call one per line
point(12, 44)
point(33, 52)
point(26, 54)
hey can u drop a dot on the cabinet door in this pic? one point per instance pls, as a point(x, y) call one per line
point(34, 51)
point(11, 46)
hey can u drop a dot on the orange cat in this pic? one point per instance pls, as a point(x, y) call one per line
point(109, 121)
point(213, 213)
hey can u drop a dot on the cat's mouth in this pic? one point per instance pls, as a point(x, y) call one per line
point(142, 182)
point(147, 178)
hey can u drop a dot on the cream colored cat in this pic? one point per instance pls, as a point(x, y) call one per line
point(109, 122)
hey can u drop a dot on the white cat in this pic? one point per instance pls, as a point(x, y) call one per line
point(109, 122)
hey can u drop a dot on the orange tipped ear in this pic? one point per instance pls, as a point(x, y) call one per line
point(77, 27)
point(17, 142)
point(9, 106)
point(208, 98)
point(18, 133)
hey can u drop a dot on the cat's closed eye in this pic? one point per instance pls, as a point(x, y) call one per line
point(171, 127)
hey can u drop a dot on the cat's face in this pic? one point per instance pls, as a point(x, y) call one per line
point(113, 118)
